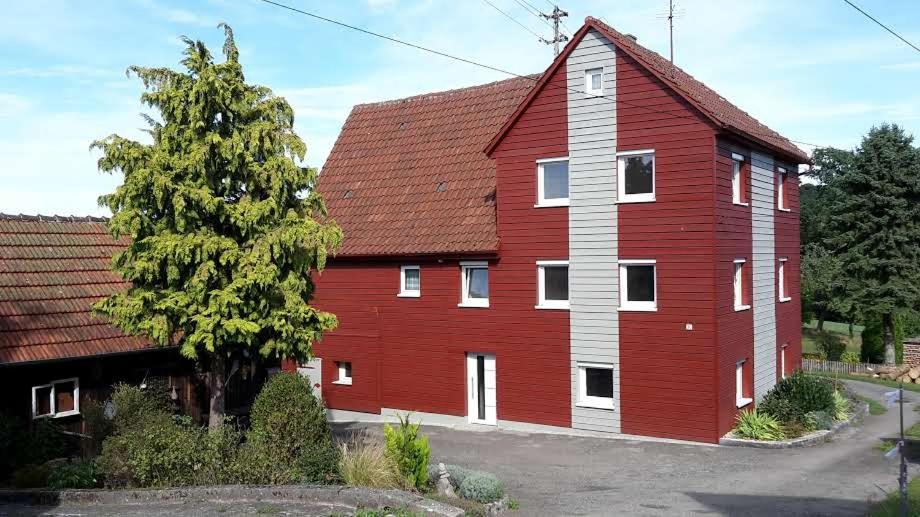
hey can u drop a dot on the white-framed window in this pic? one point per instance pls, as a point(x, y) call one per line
point(56, 399)
point(344, 372)
point(782, 361)
point(638, 285)
point(782, 281)
point(740, 285)
point(474, 284)
point(594, 82)
point(742, 397)
point(410, 281)
point(636, 176)
point(782, 202)
point(552, 182)
point(739, 180)
point(595, 385)
point(553, 284)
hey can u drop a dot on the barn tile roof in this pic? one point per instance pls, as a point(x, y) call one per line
point(52, 269)
point(409, 176)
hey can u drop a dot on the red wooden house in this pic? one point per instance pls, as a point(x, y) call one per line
point(608, 246)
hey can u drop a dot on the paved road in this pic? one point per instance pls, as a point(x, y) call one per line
point(562, 475)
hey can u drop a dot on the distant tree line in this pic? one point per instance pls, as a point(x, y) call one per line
point(860, 238)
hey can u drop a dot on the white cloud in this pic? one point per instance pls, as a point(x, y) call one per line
point(11, 104)
point(910, 65)
point(177, 15)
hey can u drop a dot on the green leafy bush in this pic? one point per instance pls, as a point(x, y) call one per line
point(287, 417)
point(80, 474)
point(482, 487)
point(813, 355)
point(320, 464)
point(457, 474)
point(831, 345)
point(873, 340)
point(842, 407)
point(797, 395)
point(31, 476)
point(757, 425)
point(134, 406)
point(409, 450)
point(363, 464)
point(850, 357)
point(819, 420)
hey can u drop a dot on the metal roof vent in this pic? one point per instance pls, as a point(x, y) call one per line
point(348, 194)
point(442, 186)
point(632, 37)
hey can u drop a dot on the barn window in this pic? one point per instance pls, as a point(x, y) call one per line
point(344, 372)
point(739, 180)
point(410, 281)
point(594, 82)
point(739, 283)
point(553, 284)
point(636, 176)
point(474, 284)
point(553, 182)
point(782, 280)
point(56, 399)
point(742, 397)
point(782, 202)
point(595, 385)
point(638, 285)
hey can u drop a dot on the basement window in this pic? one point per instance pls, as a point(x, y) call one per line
point(553, 284)
point(742, 397)
point(552, 182)
point(594, 82)
point(410, 281)
point(782, 281)
point(474, 284)
point(595, 385)
point(638, 285)
point(739, 180)
point(636, 176)
point(56, 399)
point(344, 372)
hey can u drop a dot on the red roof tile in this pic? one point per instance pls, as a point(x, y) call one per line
point(409, 176)
point(52, 269)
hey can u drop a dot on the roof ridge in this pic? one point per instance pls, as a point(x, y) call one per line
point(53, 218)
point(453, 91)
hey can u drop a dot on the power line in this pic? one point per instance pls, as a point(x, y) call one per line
point(506, 15)
point(493, 68)
point(882, 25)
point(536, 12)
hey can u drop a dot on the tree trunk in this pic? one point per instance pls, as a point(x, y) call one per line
point(821, 321)
point(888, 333)
point(851, 331)
point(216, 380)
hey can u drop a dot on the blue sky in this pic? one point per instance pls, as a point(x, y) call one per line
point(816, 71)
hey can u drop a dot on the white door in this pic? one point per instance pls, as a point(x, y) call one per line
point(480, 387)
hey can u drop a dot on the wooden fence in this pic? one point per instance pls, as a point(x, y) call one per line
point(820, 365)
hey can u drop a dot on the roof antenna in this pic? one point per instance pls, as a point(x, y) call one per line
point(556, 15)
point(673, 12)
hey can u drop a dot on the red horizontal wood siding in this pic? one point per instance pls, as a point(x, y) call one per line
point(667, 385)
point(789, 314)
point(409, 353)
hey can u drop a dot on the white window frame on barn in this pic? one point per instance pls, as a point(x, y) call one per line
point(739, 288)
point(782, 281)
point(542, 200)
point(542, 302)
point(590, 90)
point(782, 184)
point(344, 373)
point(403, 290)
point(585, 400)
point(465, 299)
point(622, 159)
point(52, 402)
point(740, 399)
point(640, 306)
point(739, 181)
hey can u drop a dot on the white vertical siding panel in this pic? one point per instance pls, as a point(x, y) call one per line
point(763, 261)
point(593, 269)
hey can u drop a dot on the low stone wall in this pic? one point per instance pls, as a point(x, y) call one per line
point(860, 410)
point(330, 496)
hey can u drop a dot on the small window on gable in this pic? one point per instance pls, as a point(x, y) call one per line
point(595, 385)
point(344, 372)
point(635, 176)
point(782, 280)
point(553, 284)
point(739, 180)
point(553, 182)
point(782, 179)
point(742, 397)
point(56, 399)
point(474, 284)
point(594, 82)
point(741, 290)
point(410, 281)
point(638, 285)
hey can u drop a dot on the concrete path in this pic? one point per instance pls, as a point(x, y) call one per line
point(561, 475)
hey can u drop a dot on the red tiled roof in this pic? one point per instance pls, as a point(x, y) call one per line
point(52, 269)
point(705, 98)
point(409, 176)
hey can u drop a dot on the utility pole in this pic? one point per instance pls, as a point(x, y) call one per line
point(558, 37)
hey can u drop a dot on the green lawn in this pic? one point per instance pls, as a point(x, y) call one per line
point(809, 331)
point(875, 407)
point(864, 378)
point(890, 506)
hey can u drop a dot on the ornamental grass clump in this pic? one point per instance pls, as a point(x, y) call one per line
point(842, 407)
point(367, 464)
point(757, 425)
